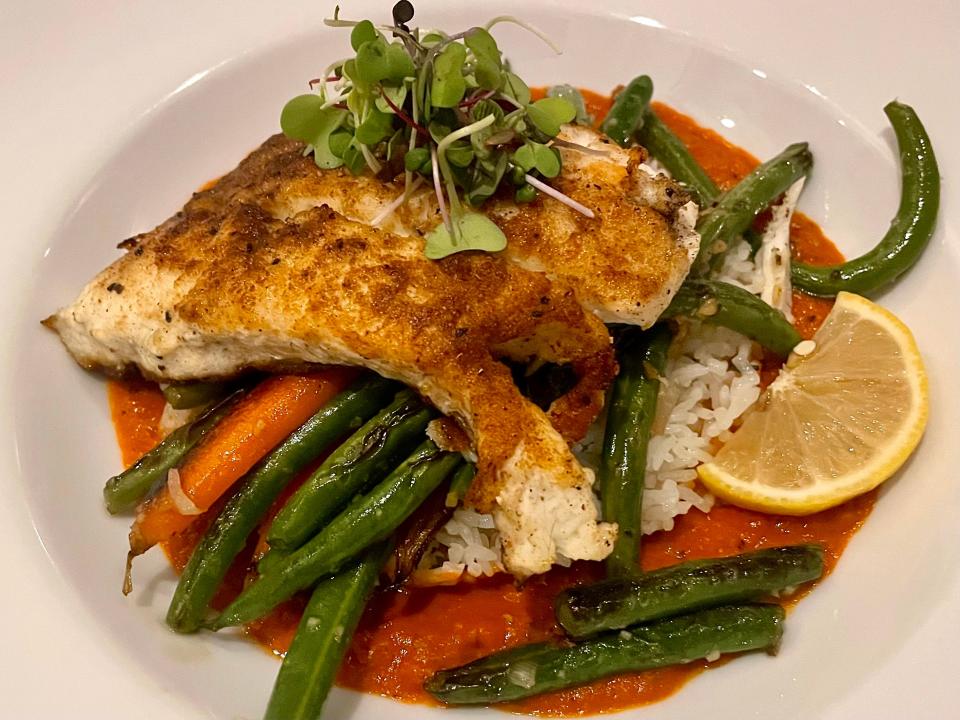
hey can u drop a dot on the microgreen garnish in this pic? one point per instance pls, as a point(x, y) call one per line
point(573, 96)
point(440, 108)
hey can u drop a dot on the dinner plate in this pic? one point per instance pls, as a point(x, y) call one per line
point(112, 114)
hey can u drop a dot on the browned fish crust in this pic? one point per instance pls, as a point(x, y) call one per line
point(324, 289)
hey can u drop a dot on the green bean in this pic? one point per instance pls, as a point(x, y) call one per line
point(720, 303)
point(368, 455)
point(736, 208)
point(124, 492)
point(633, 402)
point(184, 396)
point(322, 638)
point(627, 113)
point(535, 669)
point(683, 588)
point(911, 228)
point(228, 534)
point(460, 484)
point(366, 521)
point(670, 151)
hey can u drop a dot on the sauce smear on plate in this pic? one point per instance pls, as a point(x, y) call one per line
point(406, 635)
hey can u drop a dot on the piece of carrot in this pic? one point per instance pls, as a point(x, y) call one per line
point(261, 421)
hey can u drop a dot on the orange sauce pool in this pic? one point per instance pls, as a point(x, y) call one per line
point(136, 406)
point(407, 634)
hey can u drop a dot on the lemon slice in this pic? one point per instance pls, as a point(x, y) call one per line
point(837, 421)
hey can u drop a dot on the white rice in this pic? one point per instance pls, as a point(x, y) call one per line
point(472, 542)
point(712, 378)
point(739, 268)
point(709, 382)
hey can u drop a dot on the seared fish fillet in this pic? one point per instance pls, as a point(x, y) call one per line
point(625, 264)
point(278, 265)
point(224, 286)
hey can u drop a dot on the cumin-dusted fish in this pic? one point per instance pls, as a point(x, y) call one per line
point(625, 264)
point(224, 286)
point(198, 297)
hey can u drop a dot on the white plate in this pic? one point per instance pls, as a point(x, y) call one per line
point(110, 119)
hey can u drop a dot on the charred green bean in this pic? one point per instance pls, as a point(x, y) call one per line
point(626, 116)
point(670, 151)
point(679, 589)
point(736, 208)
point(366, 521)
point(460, 483)
point(535, 669)
point(322, 638)
point(366, 456)
point(720, 303)
point(633, 403)
point(184, 396)
point(124, 491)
point(228, 534)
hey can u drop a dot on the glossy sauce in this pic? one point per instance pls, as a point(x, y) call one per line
point(407, 634)
point(136, 407)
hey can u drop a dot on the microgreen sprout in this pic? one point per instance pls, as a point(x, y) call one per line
point(441, 108)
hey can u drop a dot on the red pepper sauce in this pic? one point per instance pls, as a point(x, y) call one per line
point(136, 407)
point(407, 634)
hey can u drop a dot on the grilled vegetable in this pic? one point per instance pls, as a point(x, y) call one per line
point(670, 151)
point(534, 669)
point(184, 396)
point(910, 229)
point(322, 638)
point(366, 521)
point(736, 208)
point(633, 403)
point(626, 116)
point(414, 536)
point(228, 534)
point(367, 456)
point(257, 424)
point(124, 491)
point(683, 588)
point(460, 483)
point(720, 303)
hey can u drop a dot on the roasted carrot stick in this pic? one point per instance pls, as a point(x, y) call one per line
point(259, 422)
